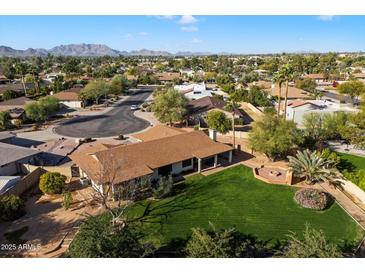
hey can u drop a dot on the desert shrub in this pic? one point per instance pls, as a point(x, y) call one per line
point(67, 199)
point(145, 104)
point(52, 183)
point(11, 207)
point(357, 177)
point(312, 198)
point(163, 187)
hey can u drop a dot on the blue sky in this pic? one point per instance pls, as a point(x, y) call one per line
point(236, 34)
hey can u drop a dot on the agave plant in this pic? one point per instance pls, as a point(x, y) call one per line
point(314, 168)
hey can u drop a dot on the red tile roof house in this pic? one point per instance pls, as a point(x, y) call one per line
point(70, 98)
point(157, 157)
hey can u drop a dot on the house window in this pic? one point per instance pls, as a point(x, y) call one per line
point(197, 92)
point(186, 163)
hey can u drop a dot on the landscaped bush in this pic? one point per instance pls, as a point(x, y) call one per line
point(52, 183)
point(312, 198)
point(357, 177)
point(11, 207)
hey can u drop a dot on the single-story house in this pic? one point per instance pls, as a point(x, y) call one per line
point(70, 98)
point(4, 80)
point(359, 76)
point(198, 110)
point(297, 109)
point(12, 157)
point(317, 77)
point(167, 77)
point(157, 132)
point(158, 157)
point(196, 91)
point(16, 108)
point(293, 92)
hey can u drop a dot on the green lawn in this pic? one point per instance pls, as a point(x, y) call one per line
point(234, 198)
point(357, 161)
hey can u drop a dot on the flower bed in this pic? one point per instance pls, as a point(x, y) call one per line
point(312, 198)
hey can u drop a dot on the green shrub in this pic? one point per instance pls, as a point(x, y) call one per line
point(67, 199)
point(52, 183)
point(11, 207)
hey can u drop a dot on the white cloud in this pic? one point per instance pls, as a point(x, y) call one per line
point(196, 41)
point(190, 29)
point(128, 36)
point(165, 17)
point(143, 33)
point(326, 17)
point(187, 20)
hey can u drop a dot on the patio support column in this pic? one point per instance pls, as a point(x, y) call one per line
point(215, 160)
point(230, 157)
point(199, 165)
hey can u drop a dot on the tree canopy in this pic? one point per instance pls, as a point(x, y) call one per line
point(218, 121)
point(169, 106)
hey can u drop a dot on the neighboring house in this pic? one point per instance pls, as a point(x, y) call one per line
point(157, 157)
point(198, 110)
point(293, 92)
point(168, 77)
point(317, 77)
point(196, 91)
point(359, 76)
point(4, 80)
point(297, 109)
point(13, 157)
point(70, 98)
point(15, 103)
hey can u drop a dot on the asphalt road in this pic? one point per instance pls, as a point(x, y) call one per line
point(119, 120)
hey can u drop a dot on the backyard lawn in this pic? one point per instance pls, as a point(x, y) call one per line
point(234, 198)
point(357, 161)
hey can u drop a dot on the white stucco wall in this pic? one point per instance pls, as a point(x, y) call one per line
point(72, 104)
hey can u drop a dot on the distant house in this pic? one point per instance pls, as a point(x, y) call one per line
point(359, 76)
point(16, 107)
point(196, 91)
point(158, 157)
point(293, 92)
point(13, 157)
point(4, 80)
point(297, 109)
point(317, 77)
point(70, 98)
point(168, 77)
point(198, 110)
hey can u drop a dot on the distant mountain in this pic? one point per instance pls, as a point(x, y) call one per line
point(90, 50)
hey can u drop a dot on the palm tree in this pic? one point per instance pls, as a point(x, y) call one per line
point(279, 79)
point(287, 73)
point(22, 69)
point(314, 168)
point(232, 106)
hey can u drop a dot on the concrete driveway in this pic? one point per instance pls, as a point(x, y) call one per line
point(119, 120)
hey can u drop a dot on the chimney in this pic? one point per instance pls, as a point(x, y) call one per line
point(213, 134)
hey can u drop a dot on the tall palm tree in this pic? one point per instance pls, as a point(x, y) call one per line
point(279, 79)
point(22, 69)
point(314, 168)
point(287, 73)
point(232, 106)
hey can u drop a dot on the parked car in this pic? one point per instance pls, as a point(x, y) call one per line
point(134, 107)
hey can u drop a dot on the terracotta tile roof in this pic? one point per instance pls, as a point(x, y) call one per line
point(293, 92)
point(158, 132)
point(135, 160)
point(315, 76)
point(168, 76)
point(68, 95)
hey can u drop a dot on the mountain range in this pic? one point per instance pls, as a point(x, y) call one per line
point(90, 50)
